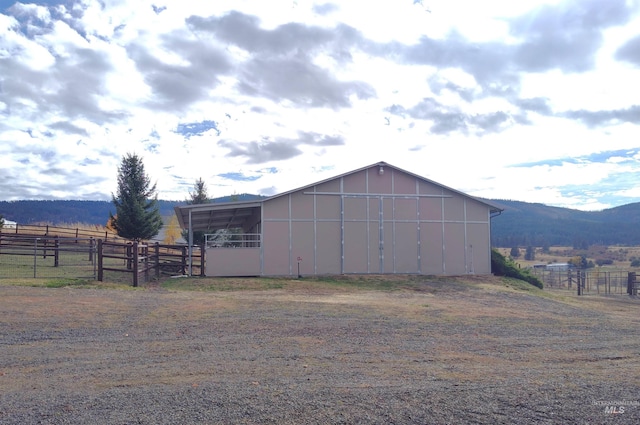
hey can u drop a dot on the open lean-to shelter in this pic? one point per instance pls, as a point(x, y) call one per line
point(378, 219)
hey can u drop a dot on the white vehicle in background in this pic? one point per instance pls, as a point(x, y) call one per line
point(8, 224)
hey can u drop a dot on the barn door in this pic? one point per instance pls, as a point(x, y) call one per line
point(387, 251)
point(367, 244)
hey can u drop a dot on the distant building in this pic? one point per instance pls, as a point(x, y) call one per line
point(8, 224)
point(558, 266)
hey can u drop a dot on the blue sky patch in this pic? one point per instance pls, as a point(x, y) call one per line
point(239, 177)
point(197, 128)
point(596, 157)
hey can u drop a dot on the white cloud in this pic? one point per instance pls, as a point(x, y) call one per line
point(460, 92)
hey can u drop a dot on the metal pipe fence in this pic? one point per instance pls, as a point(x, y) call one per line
point(588, 281)
point(26, 256)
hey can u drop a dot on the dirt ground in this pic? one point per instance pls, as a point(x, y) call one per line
point(438, 351)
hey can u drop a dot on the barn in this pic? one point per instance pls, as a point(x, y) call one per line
point(379, 219)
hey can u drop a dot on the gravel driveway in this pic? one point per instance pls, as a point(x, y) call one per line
point(441, 353)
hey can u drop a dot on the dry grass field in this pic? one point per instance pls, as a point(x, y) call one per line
point(344, 350)
point(620, 256)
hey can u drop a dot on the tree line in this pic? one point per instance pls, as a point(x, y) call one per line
point(526, 224)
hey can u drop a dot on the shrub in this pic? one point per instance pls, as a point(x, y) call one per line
point(500, 266)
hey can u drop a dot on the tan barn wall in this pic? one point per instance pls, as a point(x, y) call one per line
point(335, 227)
point(233, 261)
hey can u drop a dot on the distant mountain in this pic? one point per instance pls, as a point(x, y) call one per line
point(529, 224)
point(520, 224)
point(86, 212)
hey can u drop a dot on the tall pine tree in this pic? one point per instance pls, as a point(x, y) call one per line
point(197, 197)
point(137, 215)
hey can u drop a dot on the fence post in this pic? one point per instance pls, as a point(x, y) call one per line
point(56, 251)
point(579, 272)
point(145, 253)
point(130, 254)
point(631, 279)
point(157, 259)
point(134, 250)
point(92, 244)
point(202, 259)
point(100, 271)
point(183, 260)
point(35, 256)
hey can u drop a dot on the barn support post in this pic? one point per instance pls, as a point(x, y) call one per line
point(190, 243)
point(100, 259)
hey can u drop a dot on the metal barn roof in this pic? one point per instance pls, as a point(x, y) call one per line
point(217, 216)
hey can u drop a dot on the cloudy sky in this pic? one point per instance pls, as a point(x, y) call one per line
point(528, 100)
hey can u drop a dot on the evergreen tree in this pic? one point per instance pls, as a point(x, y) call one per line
point(197, 197)
point(1, 221)
point(199, 194)
point(530, 254)
point(137, 215)
point(515, 252)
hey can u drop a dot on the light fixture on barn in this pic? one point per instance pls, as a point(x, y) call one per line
point(381, 170)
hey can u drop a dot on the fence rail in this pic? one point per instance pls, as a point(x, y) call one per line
point(66, 232)
point(32, 256)
point(141, 260)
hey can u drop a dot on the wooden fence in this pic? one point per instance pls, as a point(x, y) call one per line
point(143, 260)
point(64, 232)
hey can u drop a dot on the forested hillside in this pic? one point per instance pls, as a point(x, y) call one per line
point(527, 224)
point(520, 224)
point(86, 212)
